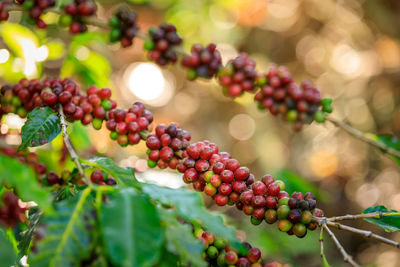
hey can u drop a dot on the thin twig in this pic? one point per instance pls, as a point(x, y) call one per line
point(364, 233)
point(322, 253)
point(347, 258)
point(363, 136)
point(68, 144)
point(376, 215)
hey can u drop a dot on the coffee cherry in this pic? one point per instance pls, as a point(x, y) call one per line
point(283, 212)
point(203, 62)
point(306, 217)
point(162, 43)
point(300, 230)
point(52, 178)
point(212, 252)
point(271, 216)
point(284, 225)
point(97, 177)
point(273, 189)
point(259, 188)
point(231, 257)
point(221, 200)
point(294, 215)
point(254, 254)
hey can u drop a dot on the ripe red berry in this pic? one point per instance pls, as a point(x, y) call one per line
point(239, 186)
point(99, 112)
point(225, 189)
point(232, 165)
point(65, 97)
point(202, 165)
point(227, 176)
point(254, 254)
point(273, 189)
point(242, 173)
point(48, 98)
point(246, 197)
point(96, 177)
point(259, 188)
point(52, 178)
point(221, 200)
point(190, 175)
point(121, 128)
point(258, 201)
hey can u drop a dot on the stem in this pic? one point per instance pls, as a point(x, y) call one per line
point(376, 215)
point(363, 136)
point(321, 241)
point(364, 233)
point(71, 151)
point(347, 258)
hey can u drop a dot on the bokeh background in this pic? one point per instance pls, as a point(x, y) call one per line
point(349, 49)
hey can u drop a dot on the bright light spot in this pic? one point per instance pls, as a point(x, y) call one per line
point(367, 195)
point(223, 18)
point(346, 60)
point(146, 81)
point(14, 121)
point(82, 53)
point(242, 127)
point(324, 163)
point(42, 53)
point(4, 55)
point(4, 129)
point(163, 178)
point(29, 51)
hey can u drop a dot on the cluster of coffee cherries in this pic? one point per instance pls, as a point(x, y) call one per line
point(3, 12)
point(102, 178)
point(10, 211)
point(281, 95)
point(124, 27)
point(203, 62)
point(238, 75)
point(222, 178)
point(217, 252)
point(95, 107)
point(36, 8)
point(167, 146)
point(162, 44)
point(215, 173)
point(75, 14)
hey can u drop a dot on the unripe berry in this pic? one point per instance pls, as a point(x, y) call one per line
point(212, 252)
point(284, 225)
point(231, 257)
point(248, 209)
point(215, 180)
point(122, 140)
point(210, 190)
point(306, 217)
point(300, 230)
point(283, 212)
point(271, 216)
point(255, 221)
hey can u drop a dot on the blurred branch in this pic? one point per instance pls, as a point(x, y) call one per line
point(347, 258)
point(363, 137)
point(376, 215)
point(364, 233)
point(322, 253)
point(67, 141)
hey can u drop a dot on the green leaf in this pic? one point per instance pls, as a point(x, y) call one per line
point(131, 229)
point(69, 234)
point(389, 222)
point(189, 206)
point(168, 259)
point(124, 176)
point(24, 179)
point(181, 241)
point(7, 253)
point(42, 126)
point(294, 182)
point(389, 141)
point(26, 238)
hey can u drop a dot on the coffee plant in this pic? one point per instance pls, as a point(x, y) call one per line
point(95, 213)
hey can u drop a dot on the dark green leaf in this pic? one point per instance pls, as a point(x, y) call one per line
point(7, 253)
point(389, 141)
point(26, 239)
point(24, 179)
point(69, 234)
point(131, 229)
point(124, 176)
point(42, 126)
point(168, 259)
point(389, 222)
point(181, 241)
point(189, 206)
point(294, 182)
